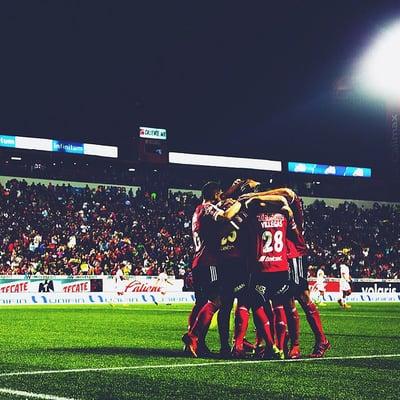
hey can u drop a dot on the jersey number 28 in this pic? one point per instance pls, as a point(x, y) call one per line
point(272, 242)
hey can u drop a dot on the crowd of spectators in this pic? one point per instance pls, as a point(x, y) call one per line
point(62, 230)
point(366, 239)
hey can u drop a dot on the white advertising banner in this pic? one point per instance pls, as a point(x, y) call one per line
point(14, 299)
point(88, 284)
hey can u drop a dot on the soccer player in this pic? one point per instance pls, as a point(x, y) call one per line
point(345, 287)
point(320, 286)
point(205, 271)
point(119, 279)
point(234, 282)
point(299, 285)
point(162, 282)
point(270, 270)
point(119, 285)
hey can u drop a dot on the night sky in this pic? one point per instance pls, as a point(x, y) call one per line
point(260, 79)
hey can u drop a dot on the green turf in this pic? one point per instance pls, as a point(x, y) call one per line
point(69, 337)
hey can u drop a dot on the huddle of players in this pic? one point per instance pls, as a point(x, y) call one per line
point(250, 249)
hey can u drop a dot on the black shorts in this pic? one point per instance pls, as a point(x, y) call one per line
point(297, 288)
point(266, 286)
point(234, 278)
point(206, 282)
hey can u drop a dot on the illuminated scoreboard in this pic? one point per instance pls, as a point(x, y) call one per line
point(152, 145)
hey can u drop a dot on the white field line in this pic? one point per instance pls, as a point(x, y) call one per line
point(32, 395)
point(194, 364)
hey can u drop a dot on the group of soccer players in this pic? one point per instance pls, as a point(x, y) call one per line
point(249, 246)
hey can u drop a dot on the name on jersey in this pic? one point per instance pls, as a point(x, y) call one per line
point(271, 221)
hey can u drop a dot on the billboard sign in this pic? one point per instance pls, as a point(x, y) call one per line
point(323, 169)
point(224, 162)
point(152, 133)
point(58, 146)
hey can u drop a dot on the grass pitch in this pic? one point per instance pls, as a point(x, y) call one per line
point(98, 342)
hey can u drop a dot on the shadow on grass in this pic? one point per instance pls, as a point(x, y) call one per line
point(128, 351)
point(120, 351)
point(357, 336)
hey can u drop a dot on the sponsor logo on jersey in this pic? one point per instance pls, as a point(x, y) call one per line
point(270, 259)
point(261, 289)
point(239, 288)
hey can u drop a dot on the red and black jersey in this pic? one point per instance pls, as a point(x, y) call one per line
point(206, 235)
point(268, 233)
point(295, 242)
point(232, 238)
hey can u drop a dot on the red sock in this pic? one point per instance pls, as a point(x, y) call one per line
point(271, 317)
point(241, 324)
point(293, 321)
point(314, 320)
point(263, 326)
point(193, 315)
point(280, 326)
point(203, 320)
point(259, 338)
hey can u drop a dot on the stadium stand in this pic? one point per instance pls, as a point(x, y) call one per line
point(65, 230)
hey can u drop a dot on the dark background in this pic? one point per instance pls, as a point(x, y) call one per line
point(259, 79)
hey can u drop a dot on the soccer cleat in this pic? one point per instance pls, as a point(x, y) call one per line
point(259, 351)
point(203, 350)
point(321, 304)
point(238, 352)
point(225, 352)
point(294, 353)
point(191, 344)
point(320, 349)
point(340, 303)
point(248, 346)
point(274, 354)
point(346, 306)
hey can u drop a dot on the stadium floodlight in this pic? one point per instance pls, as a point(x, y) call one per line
point(379, 68)
point(16, 158)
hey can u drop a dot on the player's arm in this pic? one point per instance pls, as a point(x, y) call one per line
point(266, 200)
point(232, 189)
point(230, 212)
point(293, 232)
point(218, 214)
point(289, 194)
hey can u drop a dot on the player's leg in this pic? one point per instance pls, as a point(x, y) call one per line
point(314, 320)
point(280, 295)
point(321, 298)
point(200, 297)
point(240, 289)
point(242, 316)
point(224, 315)
point(261, 321)
point(280, 323)
point(199, 303)
point(195, 338)
point(293, 321)
point(346, 294)
point(226, 271)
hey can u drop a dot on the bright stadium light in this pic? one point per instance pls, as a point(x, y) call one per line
point(379, 69)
